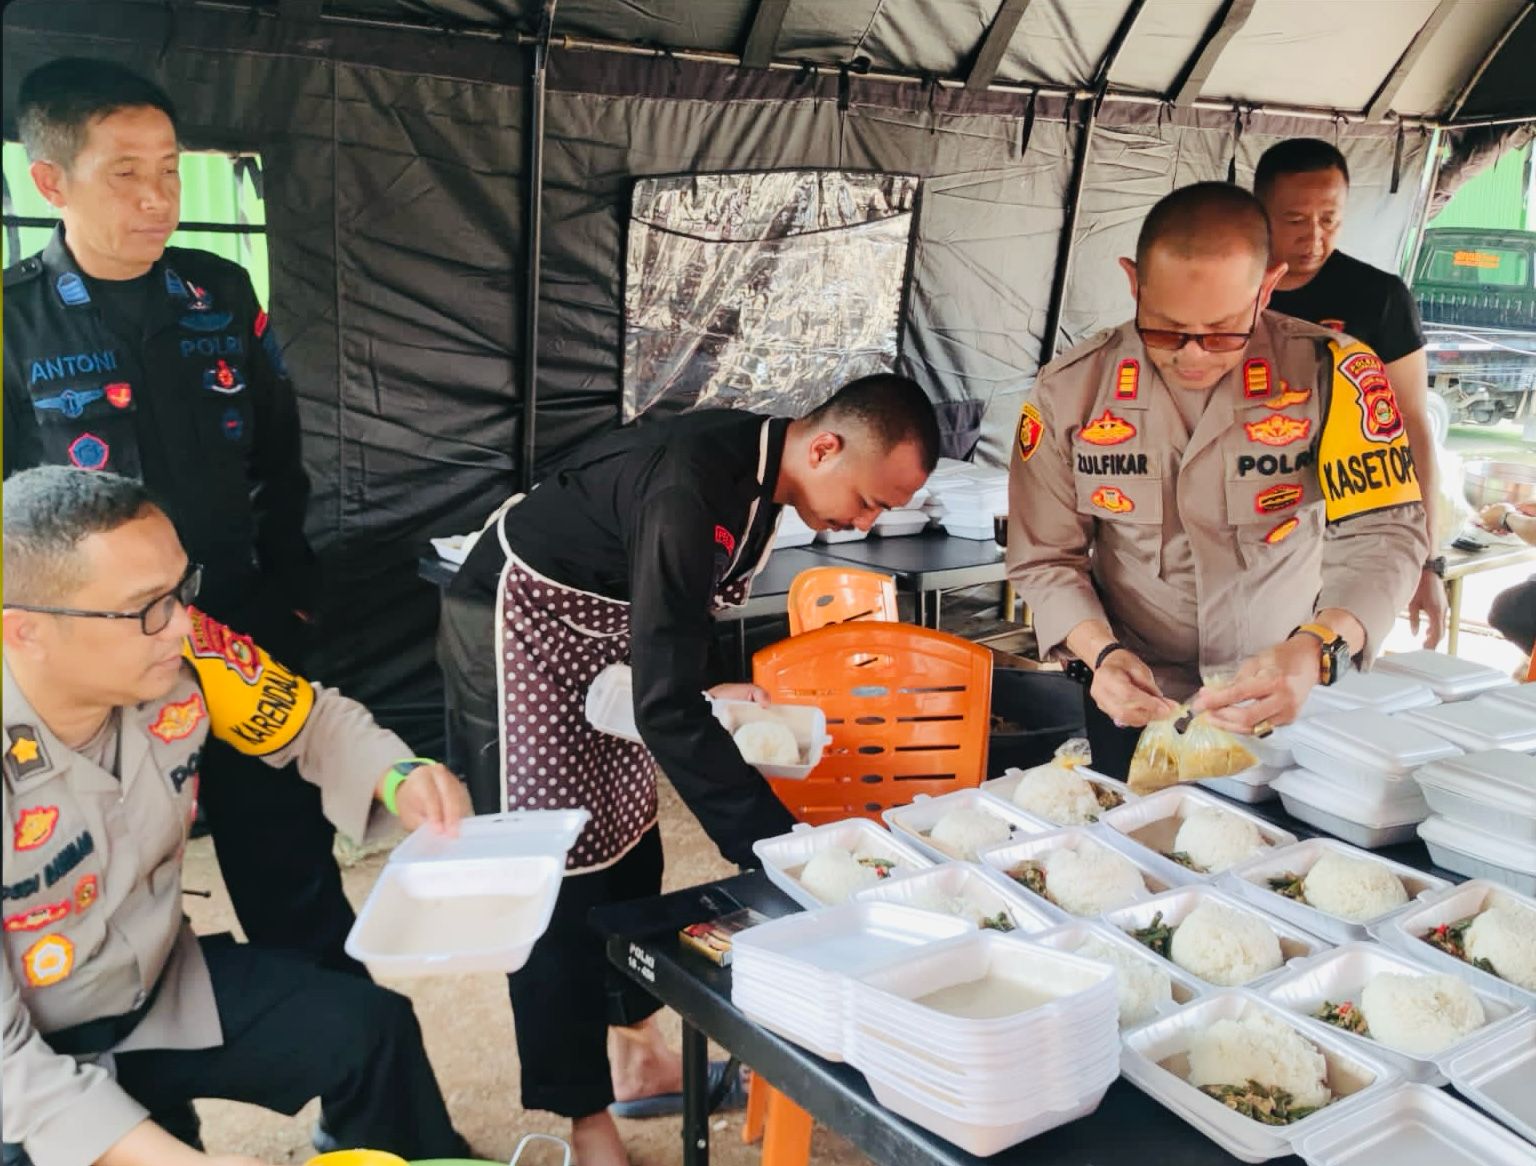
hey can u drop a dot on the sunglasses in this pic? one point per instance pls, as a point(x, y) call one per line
point(1171, 341)
point(154, 617)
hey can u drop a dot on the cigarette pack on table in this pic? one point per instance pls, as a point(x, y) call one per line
point(713, 938)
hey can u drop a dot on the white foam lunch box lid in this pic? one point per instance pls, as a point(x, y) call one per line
point(1451, 677)
point(1384, 692)
point(848, 939)
point(1499, 1074)
point(510, 834)
point(1509, 854)
point(1521, 696)
point(787, 852)
point(915, 821)
point(1412, 1125)
point(1478, 724)
point(1345, 800)
point(1495, 777)
point(1371, 740)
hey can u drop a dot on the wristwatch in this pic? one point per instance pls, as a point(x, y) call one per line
point(1335, 657)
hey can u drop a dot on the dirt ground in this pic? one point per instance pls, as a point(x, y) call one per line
point(468, 1027)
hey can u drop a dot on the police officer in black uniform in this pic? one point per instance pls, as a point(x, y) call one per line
point(123, 354)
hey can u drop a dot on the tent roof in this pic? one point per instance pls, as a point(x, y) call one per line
point(1429, 59)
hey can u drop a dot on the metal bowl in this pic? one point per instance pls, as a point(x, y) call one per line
point(1488, 481)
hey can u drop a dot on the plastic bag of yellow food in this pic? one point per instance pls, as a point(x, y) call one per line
point(1165, 757)
point(1155, 764)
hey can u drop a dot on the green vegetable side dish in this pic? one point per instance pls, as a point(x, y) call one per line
point(1288, 885)
point(1107, 798)
point(1263, 1103)
point(1183, 859)
point(1451, 939)
point(1343, 1015)
point(1031, 876)
point(1157, 935)
point(881, 866)
point(998, 922)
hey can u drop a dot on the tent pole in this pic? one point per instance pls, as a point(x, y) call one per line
point(1427, 183)
point(535, 241)
point(1482, 66)
point(1068, 234)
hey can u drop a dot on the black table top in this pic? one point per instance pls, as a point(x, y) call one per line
point(1128, 1126)
point(931, 561)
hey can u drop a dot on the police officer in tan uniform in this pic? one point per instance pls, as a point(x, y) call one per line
point(114, 1012)
point(1210, 486)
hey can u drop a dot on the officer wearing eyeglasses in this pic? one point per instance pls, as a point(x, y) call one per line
point(115, 1015)
point(1210, 485)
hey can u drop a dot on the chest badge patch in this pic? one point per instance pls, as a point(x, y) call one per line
point(1279, 429)
point(1031, 430)
point(1258, 378)
point(86, 891)
point(1380, 419)
point(48, 961)
point(1288, 397)
point(1282, 531)
point(1112, 499)
point(211, 640)
point(70, 402)
point(1127, 380)
point(89, 452)
point(179, 718)
point(1107, 429)
point(1277, 498)
point(36, 918)
point(224, 378)
point(35, 826)
point(25, 755)
point(119, 394)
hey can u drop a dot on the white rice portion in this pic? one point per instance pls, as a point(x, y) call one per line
point(1420, 1015)
point(1091, 879)
point(1356, 889)
point(1216, 840)
point(1505, 936)
point(835, 876)
point(963, 831)
point(1224, 946)
point(1259, 1048)
point(767, 743)
point(1144, 987)
point(1058, 794)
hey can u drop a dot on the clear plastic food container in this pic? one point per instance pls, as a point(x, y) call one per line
point(1450, 677)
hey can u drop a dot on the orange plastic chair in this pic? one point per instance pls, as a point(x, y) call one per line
point(909, 712)
point(828, 595)
point(1530, 673)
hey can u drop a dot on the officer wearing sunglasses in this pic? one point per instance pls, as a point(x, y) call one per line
point(1210, 487)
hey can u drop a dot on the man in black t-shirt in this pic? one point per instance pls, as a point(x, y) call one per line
point(1304, 184)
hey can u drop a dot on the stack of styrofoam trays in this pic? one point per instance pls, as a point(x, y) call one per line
point(852, 535)
point(1250, 880)
point(1382, 692)
point(968, 510)
point(971, 892)
point(1072, 936)
point(1005, 787)
point(914, 822)
point(1176, 905)
point(1450, 677)
point(904, 520)
point(1405, 931)
point(791, 975)
point(1483, 823)
point(1340, 976)
point(1146, 830)
point(1483, 722)
point(1520, 696)
point(1252, 785)
point(1038, 1050)
point(1009, 856)
point(1499, 1075)
point(1355, 775)
point(1411, 1125)
point(1156, 1061)
point(785, 856)
point(793, 530)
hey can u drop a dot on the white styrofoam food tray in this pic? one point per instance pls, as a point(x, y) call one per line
point(1479, 854)
point(1155, 1061)
point(1494, 790)
point(1251, 786)
point(785, 856)
point(1451, 677)
point(1007, 785)
point(1412, 1125)
point(976, 890)
point(914, 821)
point(1406, 929)
point(1340, 976)
point(1005, 858)
point(476, 902)
point(1071, 937)
point(1479, 724)
point(1146, 829)
point(1499, 1074)
point(1250, 880)
point(1519, 696)
point(1381, 691)
point(899, 523)
point(841, 536)
point(1364, 746)
point(1340, 809)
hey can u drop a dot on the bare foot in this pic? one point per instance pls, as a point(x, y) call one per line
point(595, 1141)
point(641, 1063)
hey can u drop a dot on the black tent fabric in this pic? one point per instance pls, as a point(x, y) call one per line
point(395, 149)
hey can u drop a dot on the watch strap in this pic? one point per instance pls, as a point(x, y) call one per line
point(398, 772)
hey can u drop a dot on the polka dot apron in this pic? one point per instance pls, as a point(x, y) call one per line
point(554, 640)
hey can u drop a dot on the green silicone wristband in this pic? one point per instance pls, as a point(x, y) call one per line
point(398, 772)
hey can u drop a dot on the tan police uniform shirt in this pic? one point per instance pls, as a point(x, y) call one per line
point(1294, 492)
point(92, 878)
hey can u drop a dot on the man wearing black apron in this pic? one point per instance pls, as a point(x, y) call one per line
point(623, 555)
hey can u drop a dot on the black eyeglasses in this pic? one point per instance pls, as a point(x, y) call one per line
point(154, 617)
point(1209, 341)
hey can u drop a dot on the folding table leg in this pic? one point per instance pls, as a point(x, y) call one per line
point(695, 1097)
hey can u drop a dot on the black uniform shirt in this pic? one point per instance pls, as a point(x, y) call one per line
point(663, 515)
point(183, 388)
point(1363, 301)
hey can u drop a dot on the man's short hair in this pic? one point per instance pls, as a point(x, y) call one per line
point(59, 100)
point(48, 511)
point(1297, 156)
point(893, 409)
point(1205, 219)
